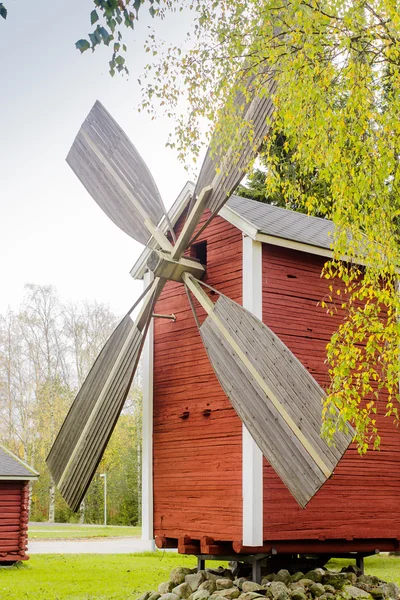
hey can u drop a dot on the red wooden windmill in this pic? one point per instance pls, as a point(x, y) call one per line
point(271, 391)
point(246, 356)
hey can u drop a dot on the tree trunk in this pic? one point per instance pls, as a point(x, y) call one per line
point(82, 510)
point(52, 502)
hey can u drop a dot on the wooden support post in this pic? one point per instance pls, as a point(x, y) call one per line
point(201, 564)
point(256, 570)
point(360, 562)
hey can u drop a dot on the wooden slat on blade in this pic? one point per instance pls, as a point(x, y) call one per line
point(224, 176)
point(114, 174)
point(291, 411)
point(86, 430)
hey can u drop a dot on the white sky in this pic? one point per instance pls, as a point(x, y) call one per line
point(51, 231)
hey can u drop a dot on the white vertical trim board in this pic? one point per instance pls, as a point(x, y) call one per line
point(252, 459)
point(147, 431)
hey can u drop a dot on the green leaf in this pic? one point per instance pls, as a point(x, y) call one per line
point(105, 35)
point(94, 17)
point(3, 11)
point(94, 38)
point(82, 45)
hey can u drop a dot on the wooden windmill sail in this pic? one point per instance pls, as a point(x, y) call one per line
point(272, 392)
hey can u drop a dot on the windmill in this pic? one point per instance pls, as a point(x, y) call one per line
point(274, 395)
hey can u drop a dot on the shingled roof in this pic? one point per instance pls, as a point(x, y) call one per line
point(12, 467)
point(283, 223)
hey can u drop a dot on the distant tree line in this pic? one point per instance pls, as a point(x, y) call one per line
point(46, 350)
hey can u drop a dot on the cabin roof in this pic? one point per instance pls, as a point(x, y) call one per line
point(262, 222)
point(283, 223)
point(12, 467)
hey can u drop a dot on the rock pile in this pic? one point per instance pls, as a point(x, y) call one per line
point(318, 584)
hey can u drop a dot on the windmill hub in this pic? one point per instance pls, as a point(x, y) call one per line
point(162, 265)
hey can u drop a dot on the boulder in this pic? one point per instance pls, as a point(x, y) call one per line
point(154, 596)
point(282, 575)
point(296, 577)
point(317, 590)
point(315, 575)
point(278, 591)
point(183, 590)
point(239, 582)
point(305, 582)
point(224, 583)
point(169, 596)
point(250, 586)
point(250, 596)
point(178, 575)
point(350, 592)
point(194, 580)
point(144, 596)
point(298, 594)
point(166, 587)
point(228, 594)
point(390, 590)
point(329, 589)
point(201, 595)
point(376, 592)
point(337, 580)
point(208, 585)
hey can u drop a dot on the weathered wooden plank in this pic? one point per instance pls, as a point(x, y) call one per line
point(87, 428)
point(114, 174)
point(225, 177)
point(291, 396)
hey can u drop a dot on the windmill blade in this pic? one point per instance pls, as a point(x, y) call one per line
point(84, 435)
point(115, 175)
point(272, 392)
point(220, 175)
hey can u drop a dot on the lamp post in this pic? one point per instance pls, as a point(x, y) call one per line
point(104, 475)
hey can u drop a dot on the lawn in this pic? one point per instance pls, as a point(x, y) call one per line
point(68, 531)
point(122, 577)
point(385, 567)
point(84, 576)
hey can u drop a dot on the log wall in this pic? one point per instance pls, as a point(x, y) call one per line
point(14, 500)
point(360, 500)
point(197, 459)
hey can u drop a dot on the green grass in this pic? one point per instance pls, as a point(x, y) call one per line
point(84, 576)
point(385, 567)
point(119, 577)
point(76, 531)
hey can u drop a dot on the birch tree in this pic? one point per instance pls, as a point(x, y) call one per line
point(336, 68)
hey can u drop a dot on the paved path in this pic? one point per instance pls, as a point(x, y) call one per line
point(90, 546)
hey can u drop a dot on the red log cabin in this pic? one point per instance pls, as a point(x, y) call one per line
point(207, 490)
point(15, 476)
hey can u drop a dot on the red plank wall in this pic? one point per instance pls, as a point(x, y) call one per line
point(14, 498)
point(197, 460)
point(361, 500)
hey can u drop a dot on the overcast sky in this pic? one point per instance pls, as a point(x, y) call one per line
point(51, 231)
